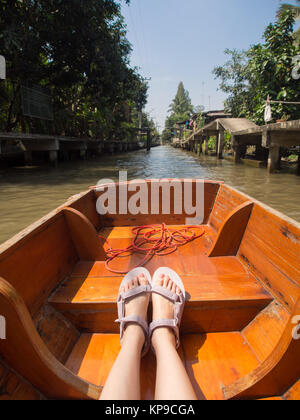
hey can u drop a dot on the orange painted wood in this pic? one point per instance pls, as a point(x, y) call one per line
point(14, 387)
point(276, 374)
point(87, 206)
point(227, 200)
point(59, 335)
point(264, 333)
point(94, 355)
point(270, 250)
point(293, 393)
point(216, 302)
point(216, 360)
point(208, 360)
point(232, 231)
point(27, 354)
point(36, 263)
point(25, 392)
point(84, 235)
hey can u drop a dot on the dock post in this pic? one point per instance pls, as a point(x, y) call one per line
point(206, 145)
point(28, 157)
point(298, 167)
point(53, 157)
point(148, 140)
point(237, 154)
point(220, 143)
point(82, 154)
point(199, 151)
point(273, 161)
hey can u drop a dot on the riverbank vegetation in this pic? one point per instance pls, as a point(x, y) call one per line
point(181, 109)
point(248, 77)
point(77, 51)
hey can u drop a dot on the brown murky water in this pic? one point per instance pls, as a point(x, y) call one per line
point(29, 193)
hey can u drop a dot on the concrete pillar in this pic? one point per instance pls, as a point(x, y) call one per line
point(65, 155)
point(237, 153)
point(199, 148)
point(206, 146)
point(148, 140)
point(53, 157)
point(82, 154)
point(28, 157)
point(220, 143)
point(274, 157)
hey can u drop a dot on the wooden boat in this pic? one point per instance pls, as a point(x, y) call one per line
point(239, 330)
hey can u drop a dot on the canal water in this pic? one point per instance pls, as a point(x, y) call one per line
point(29, 193)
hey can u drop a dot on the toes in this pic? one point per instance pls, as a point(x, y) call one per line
point(174, 288)
point(160, 280)
point(170, 285)
point(178, 291)
point(127, 287)
point(142, 280)
point(135, 282)
point(166, 281)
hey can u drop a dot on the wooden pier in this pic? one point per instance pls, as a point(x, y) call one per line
point(269, 139)
point(64, 148)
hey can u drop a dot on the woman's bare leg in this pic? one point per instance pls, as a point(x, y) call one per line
point(172, 381)
point(123, 382)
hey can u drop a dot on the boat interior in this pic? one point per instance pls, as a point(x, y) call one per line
point(238, 330)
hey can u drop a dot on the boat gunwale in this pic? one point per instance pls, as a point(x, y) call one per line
point(35, 227)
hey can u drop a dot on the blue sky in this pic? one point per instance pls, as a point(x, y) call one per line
point(176, 40)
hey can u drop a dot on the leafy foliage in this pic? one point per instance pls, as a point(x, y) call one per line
point(296, 10)
point(181, 109)
point(78, 50)
point(265, 69)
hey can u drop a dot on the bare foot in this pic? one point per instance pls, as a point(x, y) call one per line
point(163, 309)
point(138, 305)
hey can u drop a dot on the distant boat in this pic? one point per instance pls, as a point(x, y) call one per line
point(240, 329)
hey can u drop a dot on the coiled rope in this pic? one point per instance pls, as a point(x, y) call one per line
point(152, 240)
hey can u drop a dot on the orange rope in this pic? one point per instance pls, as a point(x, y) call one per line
point(152, 240)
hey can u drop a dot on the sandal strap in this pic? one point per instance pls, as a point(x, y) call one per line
point(135, 319)
point(162, 323)
point(174, 297)
point(179, 302)
point(123, 297)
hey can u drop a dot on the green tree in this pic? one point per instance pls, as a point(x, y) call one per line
point(265, 69)
point(182, 105)
point(270, 69)
point(78, 50)
point(181, 109)
point(235, 82)
point(296, 10)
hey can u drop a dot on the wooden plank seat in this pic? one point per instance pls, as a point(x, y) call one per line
point(26, 353)
point(222, 296)
point(212, 361)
